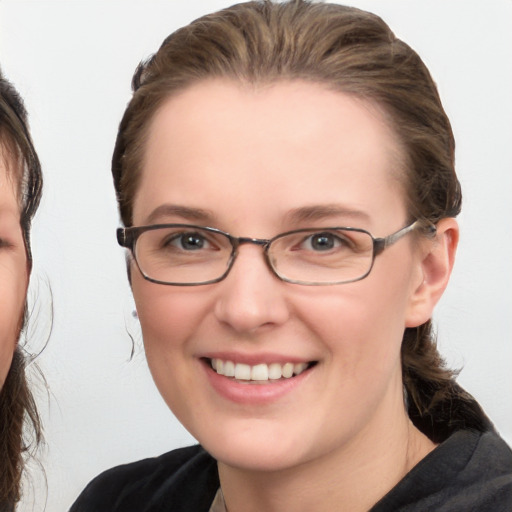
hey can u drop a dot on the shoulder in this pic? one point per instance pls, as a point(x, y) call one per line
point(489, 474)
point(484, 483)
point(470, 471)
point(172, 478)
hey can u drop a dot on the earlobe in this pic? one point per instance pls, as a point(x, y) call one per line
point(436, 267)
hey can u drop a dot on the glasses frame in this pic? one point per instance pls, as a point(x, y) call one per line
point(127, 238)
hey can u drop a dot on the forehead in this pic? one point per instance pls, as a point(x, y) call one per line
point(221, 143)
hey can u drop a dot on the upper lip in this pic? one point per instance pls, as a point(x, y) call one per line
point(255, 358)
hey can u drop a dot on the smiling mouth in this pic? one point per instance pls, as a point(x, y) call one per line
point(260, 372)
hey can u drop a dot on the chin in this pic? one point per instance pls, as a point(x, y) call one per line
point(265, 448)
point(255, 458)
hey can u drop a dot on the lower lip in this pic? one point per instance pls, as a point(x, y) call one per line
point(250, 392)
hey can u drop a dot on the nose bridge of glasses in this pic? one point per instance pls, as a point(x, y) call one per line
point(247, 240)
point(261, 242)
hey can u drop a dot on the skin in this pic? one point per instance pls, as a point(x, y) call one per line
point(249, 158)
point(13, 270)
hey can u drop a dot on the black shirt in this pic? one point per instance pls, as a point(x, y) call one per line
point(471, 471)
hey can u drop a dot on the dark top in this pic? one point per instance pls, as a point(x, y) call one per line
point(470, 471)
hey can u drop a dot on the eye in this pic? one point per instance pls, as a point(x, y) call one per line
point(188, 241)
point(325, 241)
point(4, 243)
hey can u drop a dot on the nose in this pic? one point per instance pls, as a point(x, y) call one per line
point(251, 297)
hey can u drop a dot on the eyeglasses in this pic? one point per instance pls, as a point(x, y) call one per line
point(188, 255)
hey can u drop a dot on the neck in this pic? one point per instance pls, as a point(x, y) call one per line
point(352, 478)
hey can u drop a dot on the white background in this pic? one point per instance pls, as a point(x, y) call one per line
point(73, 61)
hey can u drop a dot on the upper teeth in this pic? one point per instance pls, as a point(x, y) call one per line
point(261, 371)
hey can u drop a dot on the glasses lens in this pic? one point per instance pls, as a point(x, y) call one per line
point(322, 257)
point(182, 254)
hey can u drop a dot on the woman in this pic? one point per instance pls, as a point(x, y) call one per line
point(305, 367)
point(20, 192)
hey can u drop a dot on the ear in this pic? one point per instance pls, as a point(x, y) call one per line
point(435, 267)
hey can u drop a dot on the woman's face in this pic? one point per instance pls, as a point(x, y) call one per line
point(13, 269)
point(256, 162)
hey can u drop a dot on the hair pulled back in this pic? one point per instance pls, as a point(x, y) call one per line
point(347, 50)
point(19, 421)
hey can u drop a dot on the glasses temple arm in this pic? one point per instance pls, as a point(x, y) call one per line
point(382, 243)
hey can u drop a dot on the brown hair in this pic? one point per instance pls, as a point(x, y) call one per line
point(19, 421)
point(348, 50)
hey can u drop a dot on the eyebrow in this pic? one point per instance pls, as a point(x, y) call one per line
point(321, 212)
point(296, 216)
point(185, 212)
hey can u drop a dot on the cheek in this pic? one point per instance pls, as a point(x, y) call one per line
point(12, 301)
point(168, 315)
point(361, 323)
point(169, 318)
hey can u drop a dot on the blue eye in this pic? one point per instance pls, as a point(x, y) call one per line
point(323, 242)
point(5, 243)
point(189, 241)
